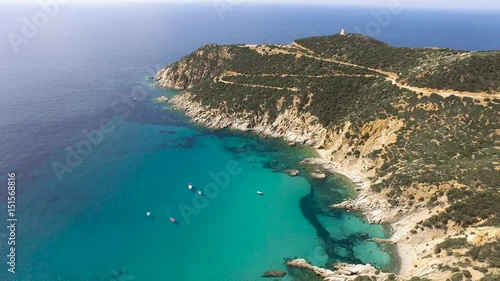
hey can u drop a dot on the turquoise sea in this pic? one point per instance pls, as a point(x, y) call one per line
point(71, 89)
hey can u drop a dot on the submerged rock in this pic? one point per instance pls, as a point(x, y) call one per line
point(293, 173)
point(382, 241)
point(320, 176)
point(274, 273)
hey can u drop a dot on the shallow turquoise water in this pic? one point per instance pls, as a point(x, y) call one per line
point(92, 225)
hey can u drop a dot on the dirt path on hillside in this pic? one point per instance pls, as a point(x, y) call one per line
point(221, 79)
point(389, 76)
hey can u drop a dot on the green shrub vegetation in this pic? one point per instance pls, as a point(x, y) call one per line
point(415, 278)
point(457, 276)
point(466, 273)
point(423, 67)
point(489, 253)
point(245, 60)
point(494, 221)
point(362, 50)
point(490, 277)
point(467, 208)
point(450, 244)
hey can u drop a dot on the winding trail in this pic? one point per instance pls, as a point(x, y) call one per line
point(225, 74)
point(221, 79)
point(389, 76)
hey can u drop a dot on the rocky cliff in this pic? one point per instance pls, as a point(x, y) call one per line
point(193, 68)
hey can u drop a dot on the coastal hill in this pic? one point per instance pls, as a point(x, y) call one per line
point(416, 129)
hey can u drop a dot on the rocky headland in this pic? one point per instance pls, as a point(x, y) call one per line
point(376, 152)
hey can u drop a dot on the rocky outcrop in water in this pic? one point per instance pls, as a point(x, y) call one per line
point(382, 241)
point(293, 173)
point(375, 211)
point(162, 99)
point(341, 272)
point(274, 273)
point(318, 175)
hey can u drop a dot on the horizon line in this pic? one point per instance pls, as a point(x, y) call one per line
point(478, 5)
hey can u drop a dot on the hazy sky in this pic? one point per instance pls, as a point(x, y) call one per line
point(436, 4)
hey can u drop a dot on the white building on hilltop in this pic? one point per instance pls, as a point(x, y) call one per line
point(343, 32)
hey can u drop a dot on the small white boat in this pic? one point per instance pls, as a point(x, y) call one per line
point(199, 192)
point(172, 219)
point(260, 193)
point(190, 186)
point(148, 214)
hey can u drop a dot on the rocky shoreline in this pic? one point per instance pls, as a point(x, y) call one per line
point(374, 206)
point(341, 272)
point(359, 149)
point(305, 132)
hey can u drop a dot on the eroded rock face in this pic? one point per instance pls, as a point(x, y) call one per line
point(274, 273)
point(376, 210)
point(193, 68)
point(291, 125)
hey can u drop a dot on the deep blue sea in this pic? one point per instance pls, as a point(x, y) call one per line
point(90, 161)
